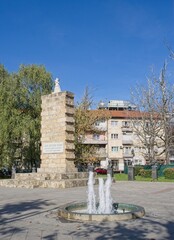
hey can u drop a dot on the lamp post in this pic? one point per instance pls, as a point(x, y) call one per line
point(170, 142)
point(131, 169)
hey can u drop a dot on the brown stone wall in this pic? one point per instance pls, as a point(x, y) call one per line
point(57, 128)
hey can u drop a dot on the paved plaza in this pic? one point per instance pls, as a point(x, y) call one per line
point(31, 214)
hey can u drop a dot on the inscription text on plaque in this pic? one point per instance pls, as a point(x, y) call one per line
point(54, 147)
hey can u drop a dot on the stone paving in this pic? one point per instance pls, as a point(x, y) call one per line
point(31, 214)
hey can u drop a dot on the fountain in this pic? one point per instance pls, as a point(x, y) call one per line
point(104, 205)
point(104, 209)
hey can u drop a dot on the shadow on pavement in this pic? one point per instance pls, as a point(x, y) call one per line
point(13, 212)
point(141, 229)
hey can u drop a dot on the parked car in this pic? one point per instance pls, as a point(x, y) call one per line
point(100, 171)
point(5, 173)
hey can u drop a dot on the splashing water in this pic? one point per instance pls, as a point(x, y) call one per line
point(105, 202)
point(91, 194)
point(101, 207)
point(108, 198)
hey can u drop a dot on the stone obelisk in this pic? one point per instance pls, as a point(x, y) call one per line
point(57, 132)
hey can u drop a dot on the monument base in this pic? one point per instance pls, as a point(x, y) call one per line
point(69, 167)
point(47, 180)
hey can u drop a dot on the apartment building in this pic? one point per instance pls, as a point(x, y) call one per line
point(117, 141)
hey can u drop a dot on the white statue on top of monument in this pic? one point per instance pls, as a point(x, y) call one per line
point(57, 85)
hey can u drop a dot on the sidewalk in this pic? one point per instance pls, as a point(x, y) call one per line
point(31, 214)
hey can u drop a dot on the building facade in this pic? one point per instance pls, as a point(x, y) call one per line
point(117, 140)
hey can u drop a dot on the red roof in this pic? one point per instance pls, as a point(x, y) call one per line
point(122, 113)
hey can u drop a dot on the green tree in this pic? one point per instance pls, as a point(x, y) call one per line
point(6, 113)
point(85, 120)
point(21, 108)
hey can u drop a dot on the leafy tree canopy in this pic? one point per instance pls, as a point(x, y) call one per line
point(20, 108)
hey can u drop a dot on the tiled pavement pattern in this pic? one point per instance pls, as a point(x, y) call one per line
point(31, 214)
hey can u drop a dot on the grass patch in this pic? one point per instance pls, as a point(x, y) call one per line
point(124, 177)
point(121, 177)
point(163, 179)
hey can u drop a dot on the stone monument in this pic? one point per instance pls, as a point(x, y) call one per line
point(57, 132)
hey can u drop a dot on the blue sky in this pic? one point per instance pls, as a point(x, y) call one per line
point(107, 45)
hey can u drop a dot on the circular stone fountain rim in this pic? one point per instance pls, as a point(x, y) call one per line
point(135, 212)
point(84, 204)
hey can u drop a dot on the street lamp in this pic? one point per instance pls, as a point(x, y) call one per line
point(170, 147)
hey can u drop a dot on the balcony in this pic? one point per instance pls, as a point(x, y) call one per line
point(126, 129)
point(128, 154)
point(127, 142)
point(101, 128)
point(94, 141)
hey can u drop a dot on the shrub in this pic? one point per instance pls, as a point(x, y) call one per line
point(169, 173)
point(145, 173)
point(137, 170)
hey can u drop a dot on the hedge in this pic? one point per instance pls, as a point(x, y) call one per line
point(145, 173)
point(169, 173)
point(137, 169)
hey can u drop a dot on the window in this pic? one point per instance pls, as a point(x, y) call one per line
point(102, 120)
point(114, 149)
point(96, 136)
point(127, 133)
point(127, 150)
point(114, 136)
point(97, 123)
point(136, 149)
point(126, 124)
point(136, 124)
point(127, 162)
point(137, 162)
point(114, 123)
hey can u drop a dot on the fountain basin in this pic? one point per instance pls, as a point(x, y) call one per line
point(122, 211)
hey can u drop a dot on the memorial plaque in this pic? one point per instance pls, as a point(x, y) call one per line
point(55, 147)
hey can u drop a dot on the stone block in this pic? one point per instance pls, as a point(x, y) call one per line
point(70, 110)
point(69, 146)
point(69, 136)
point(70, 128)
point(69, 119)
